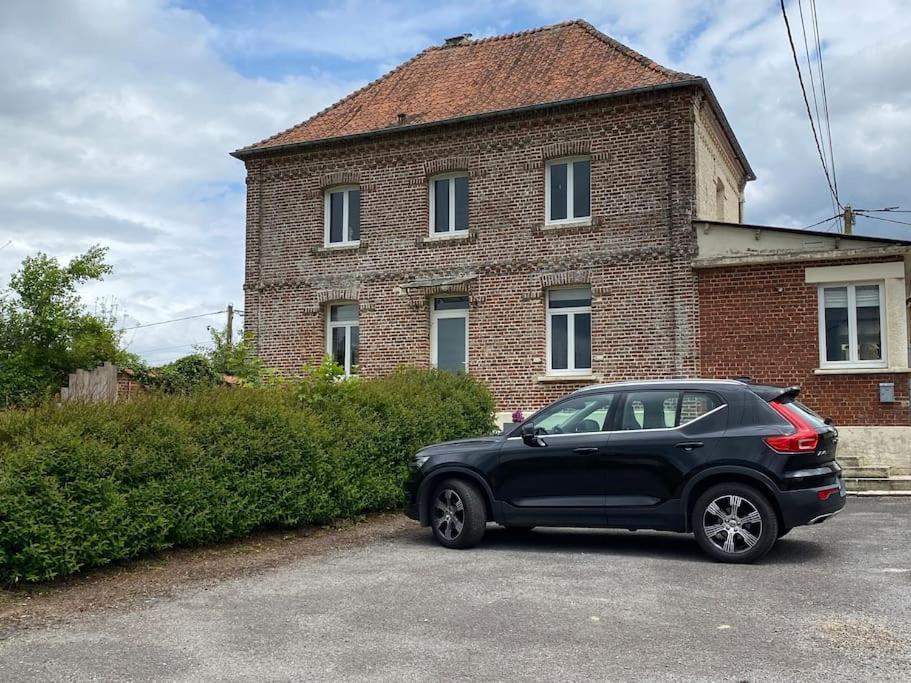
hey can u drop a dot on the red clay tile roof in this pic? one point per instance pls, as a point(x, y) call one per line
point(551, 64)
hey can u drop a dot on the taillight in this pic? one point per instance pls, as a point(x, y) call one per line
point(825, 494)
point(803, 440)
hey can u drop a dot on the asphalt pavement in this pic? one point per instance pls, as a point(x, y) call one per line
point(831, 602)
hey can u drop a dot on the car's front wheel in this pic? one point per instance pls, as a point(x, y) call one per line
point(734, 523)
point(458, 516)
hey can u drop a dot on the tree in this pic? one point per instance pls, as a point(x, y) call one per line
point(46, 331)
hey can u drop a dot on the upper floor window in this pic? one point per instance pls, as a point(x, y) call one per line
point(569, 331)
point(851, 325)
point(567, 190)
point(343, 215)
point(449, 203)
point(343, 336)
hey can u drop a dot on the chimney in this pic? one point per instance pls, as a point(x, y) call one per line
point(463, 39)
point(402, 118)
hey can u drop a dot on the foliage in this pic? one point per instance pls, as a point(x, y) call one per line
point(236, 358)
point(46, 332)
point(83, 485)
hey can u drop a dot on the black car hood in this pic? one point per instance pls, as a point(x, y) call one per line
point(460, 444)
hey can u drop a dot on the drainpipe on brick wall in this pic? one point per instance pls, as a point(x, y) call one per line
point(259, 250)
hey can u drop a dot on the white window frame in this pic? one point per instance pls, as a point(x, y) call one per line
point(570, 312)
point(327, 215)
point(436, 315)
point(570, 178)
point(452, 203)
point(348, 324)
point(852, 361)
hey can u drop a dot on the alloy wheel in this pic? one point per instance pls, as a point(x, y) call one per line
point(448, 514)
point(732, 524)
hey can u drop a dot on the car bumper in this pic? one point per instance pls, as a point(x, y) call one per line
point(805, 507)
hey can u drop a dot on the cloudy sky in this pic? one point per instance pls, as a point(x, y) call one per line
point(117, 116)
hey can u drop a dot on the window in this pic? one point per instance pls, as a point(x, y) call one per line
point(343, 215)
point(449, 204)
point(851, 324)
point(567, 190)
point(695, 404)
point(650, 410)
point(569, 331)
point(662, 409)
point(343, 336)
point(449, 333)
point(575, 416)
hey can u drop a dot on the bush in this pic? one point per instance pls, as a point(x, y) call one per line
point(85, 485)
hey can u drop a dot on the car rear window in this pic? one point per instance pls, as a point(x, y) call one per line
point(805, 413)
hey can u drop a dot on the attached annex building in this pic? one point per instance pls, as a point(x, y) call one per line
point(548, 209)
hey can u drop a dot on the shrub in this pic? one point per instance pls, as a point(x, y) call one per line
point(85, 485)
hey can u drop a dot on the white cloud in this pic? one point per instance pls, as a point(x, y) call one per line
point(116, 117)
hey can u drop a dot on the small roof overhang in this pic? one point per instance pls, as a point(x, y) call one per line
point(732, 244)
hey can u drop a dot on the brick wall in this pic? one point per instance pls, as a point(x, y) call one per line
point(635, 255)
point(762, 321)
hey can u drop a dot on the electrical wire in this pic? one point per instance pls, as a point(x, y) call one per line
point(879, 218)
point(174, 320)
point(806, 101)
point(825, 96)
point(824, 220)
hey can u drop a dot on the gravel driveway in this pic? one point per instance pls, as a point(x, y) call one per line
point(829, 603)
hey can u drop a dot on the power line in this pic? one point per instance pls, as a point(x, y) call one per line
point(166, 348)
point(174, 320)
point(807, 103)
point(824, 220)
point(825, 96)
point(887, 220)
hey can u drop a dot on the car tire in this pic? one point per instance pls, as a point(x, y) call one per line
point(743, 521)
point(458, 515)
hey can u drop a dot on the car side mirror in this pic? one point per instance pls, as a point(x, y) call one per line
point(530, 435)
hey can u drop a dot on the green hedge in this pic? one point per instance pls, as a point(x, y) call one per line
point(85, 485)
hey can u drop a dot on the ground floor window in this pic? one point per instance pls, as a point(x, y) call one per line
point(449, 333)
point(569, 330)
point(343, 336)
point(851, 325)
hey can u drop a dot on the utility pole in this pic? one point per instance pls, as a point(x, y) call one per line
point(229, 329)
point(849, 221)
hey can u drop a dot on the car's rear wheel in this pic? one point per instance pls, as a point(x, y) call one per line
point(457, 514)
point(734, 523)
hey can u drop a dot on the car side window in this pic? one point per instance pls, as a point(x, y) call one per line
point(576, 416)
point(695, 404)
point(650, 410)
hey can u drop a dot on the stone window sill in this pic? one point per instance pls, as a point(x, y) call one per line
point(340, 248)
point(861, 371)
point(581, 223)
point(589, 378)
point(449, 238)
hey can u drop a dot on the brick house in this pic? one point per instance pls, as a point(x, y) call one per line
point(548, 209)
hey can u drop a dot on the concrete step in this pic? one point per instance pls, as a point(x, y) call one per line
point(873, 472)
point(879, 484)
point(874, 494)
point(848, 461)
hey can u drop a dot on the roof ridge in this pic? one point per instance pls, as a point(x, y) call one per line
point(506, 36)
point(340, 102)
point(630, 52)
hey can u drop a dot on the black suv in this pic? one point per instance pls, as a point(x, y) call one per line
point(737, 464)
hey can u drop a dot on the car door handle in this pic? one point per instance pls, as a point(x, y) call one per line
point(690, 445)
point(586, 451)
